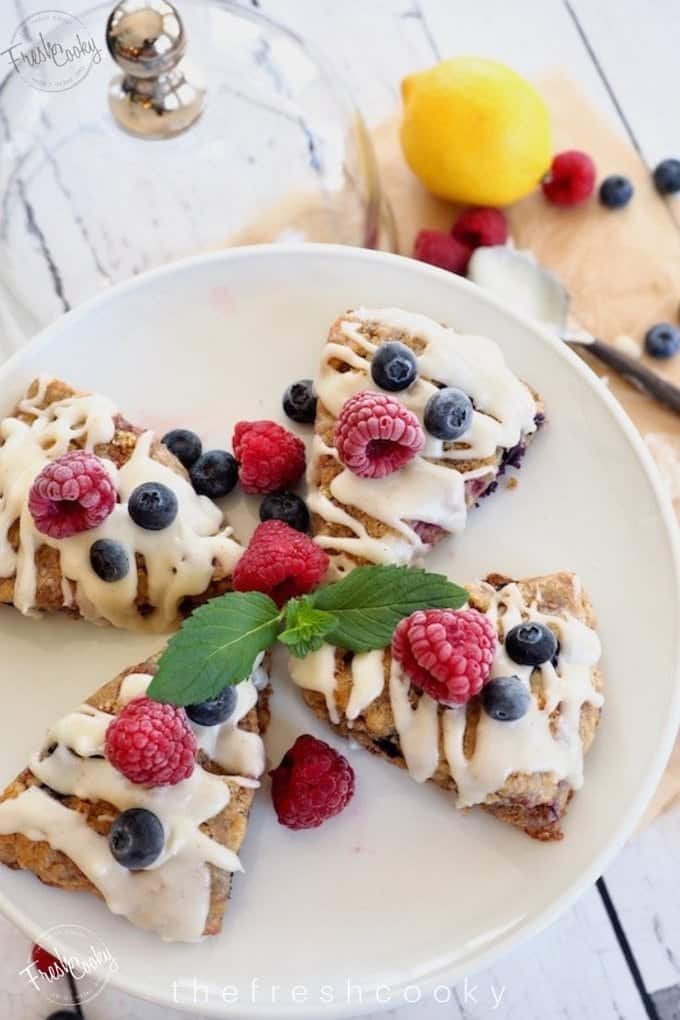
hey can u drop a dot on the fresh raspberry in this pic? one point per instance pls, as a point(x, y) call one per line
point(447, 654)
point(71, 494)
point(281, 562)
point(312, 783)
point(440, 249)
point(375, 435)
point(270, 456)
point(152, 744)
point(571, 178)
point(48, 965)
point(480, 226)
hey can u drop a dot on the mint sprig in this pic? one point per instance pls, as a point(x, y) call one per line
point(219, 643)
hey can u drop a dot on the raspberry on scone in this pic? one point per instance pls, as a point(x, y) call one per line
point(376, 435)
point(270, 457)
point(312, 784)
point(71, 494)
point(447, 654)
point(151, 743)
point(281, 562)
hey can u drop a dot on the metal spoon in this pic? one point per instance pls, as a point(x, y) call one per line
point(520, 282)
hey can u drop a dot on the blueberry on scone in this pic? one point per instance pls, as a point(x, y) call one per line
point(448, 413)
point(531, 644)
point(185, 445)
point(215, 710)
point(299, 402)
point(153, 506)
point(109, 559)
point(136, 838)
point(506, 698)
point(214, 474)
point(394, 366)
point(285, 506)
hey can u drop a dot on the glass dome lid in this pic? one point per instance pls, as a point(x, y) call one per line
point(119, 153)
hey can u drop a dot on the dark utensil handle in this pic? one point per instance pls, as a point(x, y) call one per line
point(636, 373)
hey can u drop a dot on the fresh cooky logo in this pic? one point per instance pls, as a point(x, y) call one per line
point(78, 973)
point(52, 51)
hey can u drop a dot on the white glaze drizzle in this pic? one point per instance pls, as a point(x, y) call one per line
point(172, 896)
point(527, 745)
point(180, 560)
point(426, 489)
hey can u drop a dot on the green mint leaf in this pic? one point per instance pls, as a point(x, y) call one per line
point(370, 602)
point(215, 647)
point(306, 627)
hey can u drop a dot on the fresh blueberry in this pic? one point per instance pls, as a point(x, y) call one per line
point(185, 445)
point(136, 838)
point(662, 340)
point(215, 710)
point(214, 474)
point(530, 644)
point(448, 413)
point(667, 176)
point(394, 366)
point(506, 698)
point(152, 506)
point(615, 191)
point(109, 559)
point(285, 506)
point(299, 402)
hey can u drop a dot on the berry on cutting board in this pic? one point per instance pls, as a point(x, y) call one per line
point(667, 176)
point(216, 710)
point(313, 783)
point(270, 457)
point(447, 654)
point(287, 507)
point(448, 413)
point(615, 191)
point(571, 178)
point(153, 506)
point(440, 249)
point(394, 366)
point(481, 226)
point(662, 340)
point(531, 644)
point(299, 402)
point(506, 698)
point(185, 445)
point(109, 560)
point(73, 493)
point(49, 966)
point(281, 562)
point(152, 744)
point(214, 474)
point(136, 838)
point(375, 435)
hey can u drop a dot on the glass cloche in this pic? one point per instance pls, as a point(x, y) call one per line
point(150, 132)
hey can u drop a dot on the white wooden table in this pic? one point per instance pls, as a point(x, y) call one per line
point(616, 954)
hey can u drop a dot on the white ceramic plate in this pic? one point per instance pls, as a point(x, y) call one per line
point(400, 890)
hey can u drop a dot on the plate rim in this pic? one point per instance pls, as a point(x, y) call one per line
point(526, 928)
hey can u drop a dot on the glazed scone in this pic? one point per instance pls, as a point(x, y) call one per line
point(360, 520)
point(524, 771)
point(170, 570)
point(55, 817)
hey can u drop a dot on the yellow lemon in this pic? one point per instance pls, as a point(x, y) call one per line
point(475, 131)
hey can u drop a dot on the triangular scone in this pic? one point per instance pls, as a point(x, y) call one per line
point(524, 771)
point(56, 816)
point(171, 570)
point(397, 518)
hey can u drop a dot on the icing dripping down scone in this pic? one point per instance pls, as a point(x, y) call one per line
point(56, 816)
point(171, 569)
point(397, 518)
point(523, 771)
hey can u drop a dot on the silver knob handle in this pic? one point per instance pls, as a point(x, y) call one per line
point(152, 98)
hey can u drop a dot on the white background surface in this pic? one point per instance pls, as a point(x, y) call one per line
point(624, 53)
